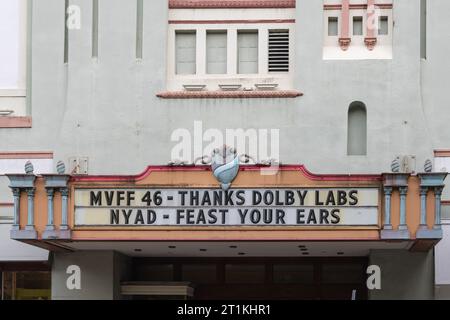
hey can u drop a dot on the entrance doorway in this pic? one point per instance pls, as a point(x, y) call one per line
point(259, 278)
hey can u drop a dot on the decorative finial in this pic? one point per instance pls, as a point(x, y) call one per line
point(29, 167)
point(395, 165)
point(428, 167)
point(60, 167)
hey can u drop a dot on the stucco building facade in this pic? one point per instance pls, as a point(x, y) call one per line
point(353, 90)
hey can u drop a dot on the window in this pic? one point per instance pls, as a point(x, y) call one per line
point(6, 199)
point(185, 52)
point(13, 53)
point(278, 50)
point(383, 25)
point(357, 130)
point(247, 52)
point(357, 26)
point(333, 28)
point(213, 52)
point(216, 52)
point(351, 33)
point(25, 285)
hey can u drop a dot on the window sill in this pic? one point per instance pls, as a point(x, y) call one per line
point(15, 122)
point(228, 94)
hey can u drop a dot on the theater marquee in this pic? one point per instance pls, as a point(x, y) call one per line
point(234, 207)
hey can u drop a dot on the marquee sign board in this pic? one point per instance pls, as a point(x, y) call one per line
point(234, 207)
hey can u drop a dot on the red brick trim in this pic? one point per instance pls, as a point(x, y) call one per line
point(442, 153)
point(15, 122)
point(218, 4)
point(228, 94)
point(26, 155)
point(229, 21)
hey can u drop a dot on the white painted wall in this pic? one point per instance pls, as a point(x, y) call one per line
point(10, 166)
point(12, 250)
point(442, 164)
point(442, 257)
point(442, 250)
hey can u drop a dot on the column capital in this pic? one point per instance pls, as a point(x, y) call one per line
point(387, 190)
point(423, 191)
point(50, 191)
point(65, 192)
point(16, 192)
point(438, 191)
point(403, 190)
point(31, 191)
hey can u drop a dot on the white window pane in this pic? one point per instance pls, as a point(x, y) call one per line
point(10, 42)
point(248, 52)
point(185, 54)
point(357, 26)
point(216, 52)
point(332, 26)
point(383, 28)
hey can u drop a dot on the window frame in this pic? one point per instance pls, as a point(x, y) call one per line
point(363, 21)
point(338, 27)
point(194, 33)
point(388, 19)
point(238, 50)
point(357, 106)
point(14, 98)
point(357, 50)
point(211, 32)
point(175, 81)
